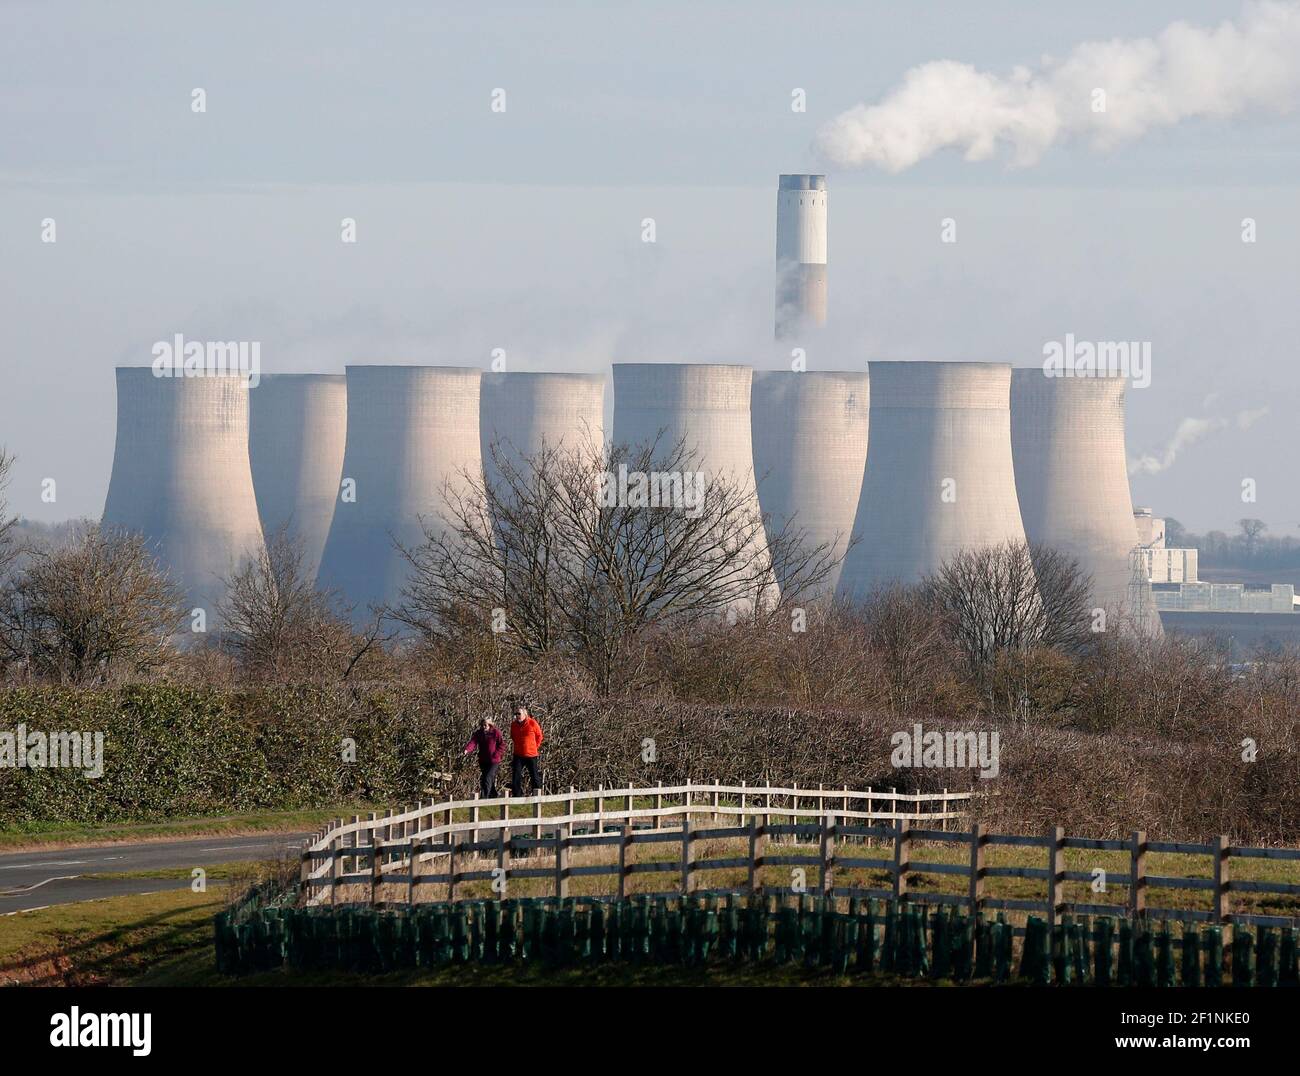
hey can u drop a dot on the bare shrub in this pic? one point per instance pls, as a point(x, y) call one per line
point(98, 610)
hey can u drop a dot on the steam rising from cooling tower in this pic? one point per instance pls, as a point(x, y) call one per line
point(939, 477)
point(1104, 92)
point(181, 477)
point(1067, 439)
point(810, 448)
point(297, 432)
point(706, 407)
point(523, 411)
point(412, 431)
point(800, 254)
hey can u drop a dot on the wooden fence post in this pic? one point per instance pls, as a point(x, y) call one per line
point(451, 866)
point(1222, 907)
point(1137, 889)
point(414, 870)
point(374, 857)
point(1055, 872)
point(537, 814)
point(943, 822)
point(688, 855)
point(757, 846)
point(976, 868)
point(624, 848)
point(902, 857)
point(474, 817)
point(356, 843)
point(743, 818)
point(828, 854)
point(503, 862)
point(561, 863)
point(600, 808)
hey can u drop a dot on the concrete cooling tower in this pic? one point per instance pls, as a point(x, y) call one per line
point(297, 428)
point(800, 254)
point(705, 406)
point(412, 430)
point(810, 448)
point(1067, 440)
point(521, 412)
point(939, 476)
point(181, 477)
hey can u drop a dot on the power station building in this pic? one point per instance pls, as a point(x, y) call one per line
point(297, 429)
point(939, 477)
point(182, 480)
point(800, 254)
point(413, 436)
point(810, 449)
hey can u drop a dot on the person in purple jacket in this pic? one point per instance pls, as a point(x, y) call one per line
point(491, 747)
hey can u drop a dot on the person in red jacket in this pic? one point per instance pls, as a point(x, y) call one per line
point(526, 736)
point(491, 746)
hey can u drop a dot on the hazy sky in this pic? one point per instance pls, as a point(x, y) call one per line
point(522, 230)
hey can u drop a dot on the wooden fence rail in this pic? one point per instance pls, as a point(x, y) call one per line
point(402, 849)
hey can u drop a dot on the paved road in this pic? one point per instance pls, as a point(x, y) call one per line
point(37, 879)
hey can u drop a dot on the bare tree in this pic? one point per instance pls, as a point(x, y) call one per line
point(97, 610)
point(1251, 532)
point(554, 558)
point(906, 640)
point(278, 626)
point(7, 522)
point(1065, 601)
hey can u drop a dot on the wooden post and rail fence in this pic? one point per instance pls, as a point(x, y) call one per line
point(426, 848)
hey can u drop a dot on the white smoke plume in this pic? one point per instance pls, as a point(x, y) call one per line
point(1185, 72)
point(1189, 431)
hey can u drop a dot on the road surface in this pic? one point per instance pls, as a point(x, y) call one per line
point(37, 879)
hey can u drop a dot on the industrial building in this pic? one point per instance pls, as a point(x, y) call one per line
point(1067, 443)
point(810, 450)
point(296, 433)
point(521, 412)
point(181, 478)
point(939, 477)
point(800, 254)
point(413, 438)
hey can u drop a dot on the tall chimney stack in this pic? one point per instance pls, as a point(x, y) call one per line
point(800, 254)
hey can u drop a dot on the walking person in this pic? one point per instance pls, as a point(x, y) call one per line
point(526, 736)
point(491, 746)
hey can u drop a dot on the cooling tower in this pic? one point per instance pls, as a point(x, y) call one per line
point(521, 412)
point(1067, 440)
point(939, 477)
point(412, 431)
point(810, 448)
point(297, 427)
point(181, 477)
point(800, 254)
point(704, 406)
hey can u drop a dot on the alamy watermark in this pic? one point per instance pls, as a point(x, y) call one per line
point(1101, 358)
point(683, 490)
point(919, 749)
point(179, 357)
point(37, 750)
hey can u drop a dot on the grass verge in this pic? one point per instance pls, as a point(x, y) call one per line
point(36, 836)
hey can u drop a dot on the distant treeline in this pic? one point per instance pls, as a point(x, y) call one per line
point(1250, 547)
